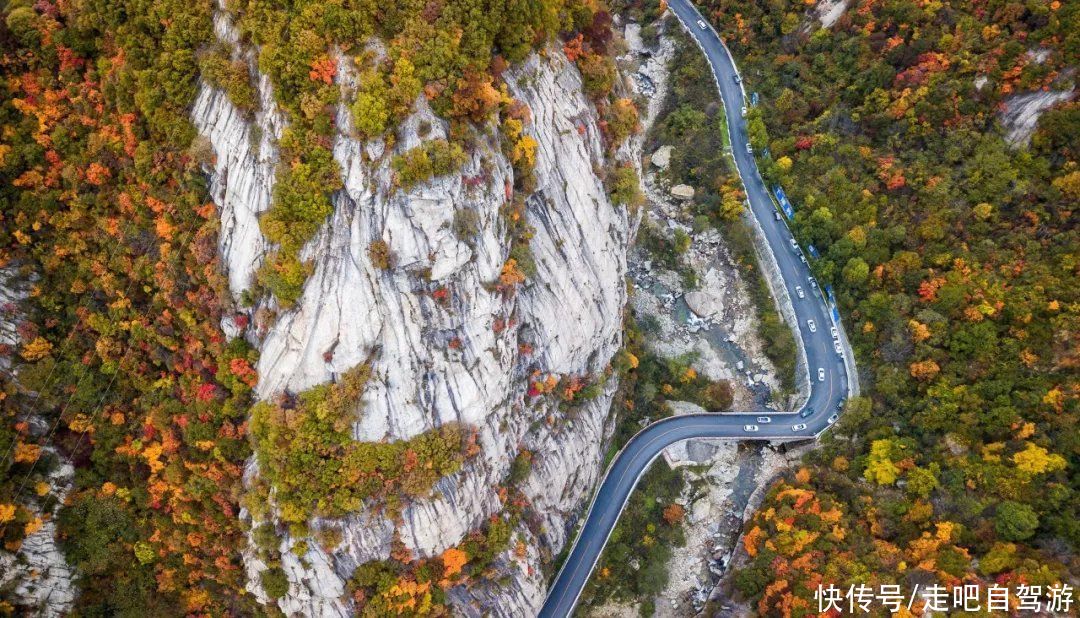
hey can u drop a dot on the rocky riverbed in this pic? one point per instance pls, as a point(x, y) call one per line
point(715, 322)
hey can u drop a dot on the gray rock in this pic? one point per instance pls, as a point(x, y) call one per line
point(1020, 112)
point(662, 157)
point(699, 451)
point(700, 304)
point(682, 192)
point(570, 313)
point(36, 576)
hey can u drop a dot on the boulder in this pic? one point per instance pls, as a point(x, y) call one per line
point(662, 157)
point(682, 192)
point(701, 304)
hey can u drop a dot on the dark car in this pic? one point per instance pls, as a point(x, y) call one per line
point(807, 413)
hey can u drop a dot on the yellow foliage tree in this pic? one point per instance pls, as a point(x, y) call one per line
point(32, 526)
point(27, 453)
point(37, 349)
point(453, 560)
point(880, 468)
point(924, 370)
point(919, 331)
point(524, 153)
point(1036, 460)
point(511, 274)
point(750, 541)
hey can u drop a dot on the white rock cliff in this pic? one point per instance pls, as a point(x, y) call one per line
point(36, 577)
point(569, 314)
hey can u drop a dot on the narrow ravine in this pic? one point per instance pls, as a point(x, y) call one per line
point(808, 314)
point(716, 323)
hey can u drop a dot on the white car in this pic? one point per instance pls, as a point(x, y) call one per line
point(802, 258)
point(764, 419)
point(744, 111)
point(833, 418)
point(836, 346)
point(799, 292)
point(798, 427)
point(700, 24)
point(820, 374)
point(749, 427)
point(776, 215)
point(835, 333)
point(749, 149)
point(794, 245)
point(813, 327)
point(813, 282)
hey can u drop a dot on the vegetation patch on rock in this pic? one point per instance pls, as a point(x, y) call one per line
point(306, 452)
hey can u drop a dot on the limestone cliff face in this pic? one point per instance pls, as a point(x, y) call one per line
point(569, 314)
point(36, 577)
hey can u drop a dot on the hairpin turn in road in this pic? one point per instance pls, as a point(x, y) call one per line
point(826, 351)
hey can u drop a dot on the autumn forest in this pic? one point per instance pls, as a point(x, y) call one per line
point(952, 245)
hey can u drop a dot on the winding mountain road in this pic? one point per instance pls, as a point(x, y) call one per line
point(828, 377)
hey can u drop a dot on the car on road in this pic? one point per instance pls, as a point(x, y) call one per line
point(764, 419)
point(700, 24)
point(744, 111)
point(833, 418)
point(810, 324)
point(835, 333)
point(750, 428)
point(807, 413)
point(749, 149)
point(798, 427)
point(813, 282)
point(820, 374)
point(799, 292)
point(794, 245)
point(840, 405)
point(738, 79)
point(776, 215)
point(836, 346)
point(802, 258)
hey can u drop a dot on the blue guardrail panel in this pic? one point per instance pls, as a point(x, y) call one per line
point(785, 205)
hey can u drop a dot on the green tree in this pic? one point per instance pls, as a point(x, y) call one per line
point(622, 120)
point(625, 187)
point(1001, 557)
point(598, 74)
point(431, 159)
point(682, 241)
point(21, 21)
point(1014, 521)
point(370, 112)
point(755, 129)
point(404, 88)
point(855, 271)
point(274, 582)
point(922, 481)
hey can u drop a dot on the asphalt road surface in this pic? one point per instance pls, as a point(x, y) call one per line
point(826, 394)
